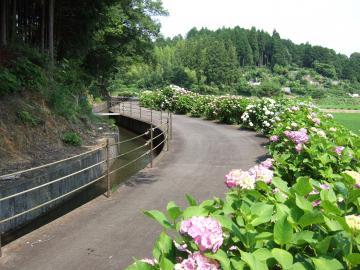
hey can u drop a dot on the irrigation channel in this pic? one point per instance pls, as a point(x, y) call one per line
point(134, 151)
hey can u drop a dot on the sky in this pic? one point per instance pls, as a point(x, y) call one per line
point(330, 23)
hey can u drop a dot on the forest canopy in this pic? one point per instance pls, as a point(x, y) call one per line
point(95, 36)
point(206, 58)
point(112, 45)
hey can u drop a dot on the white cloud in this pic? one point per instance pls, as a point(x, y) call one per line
point(331, 23)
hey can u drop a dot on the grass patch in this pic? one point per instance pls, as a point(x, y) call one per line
point(349, 120)
point(343, 103)
point(72, 138)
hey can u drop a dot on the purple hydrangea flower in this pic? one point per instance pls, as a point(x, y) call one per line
point(197, 261)
point(262, 173)
point(299, 147)
point(316, 203)
point(338, 150)
point(239, 178)
point(274, 138)
point(298, 137)
point(205, 231)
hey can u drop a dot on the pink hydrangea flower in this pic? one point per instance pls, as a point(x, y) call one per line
point(299, 147)
point(321, 133)
point(274, 138)
point(314, 192)
point(316, 203)
point(298, 137)
point(233, 248)
point(316, 121)
point(197, 261)
point(268, 163)
point(338, 150)
point(324, 186)
point(205, 231)
point(262, 173)
point(181, 247)
point(239, 178)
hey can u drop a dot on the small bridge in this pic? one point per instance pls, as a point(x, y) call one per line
point(108, 233)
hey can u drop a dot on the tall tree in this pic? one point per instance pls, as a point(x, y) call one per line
point(253, 41)
point(51, 29)
point(280, 54)
point(3, 39)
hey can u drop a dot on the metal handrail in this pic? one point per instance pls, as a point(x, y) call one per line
point(143, 112)
point(130, 151)
point(127, 164)
point(160, 143)
point(51, 201)
point(131, 139)
point(50, 164)
point(157, 136)
point(51, 182)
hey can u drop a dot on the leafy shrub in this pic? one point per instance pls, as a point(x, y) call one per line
point(9, 82)
point(32, 76)
point(269, 89)
point(72, 138)
point(324, 69)
point(298, 211)
point(27, 118)
point(127, 93)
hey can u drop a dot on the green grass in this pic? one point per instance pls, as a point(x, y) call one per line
point(349, 120)
point(345, 103)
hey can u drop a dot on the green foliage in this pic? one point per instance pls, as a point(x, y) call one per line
point(27, 118)
point(299, 220)
point(32, 76)
point(9, 82)
point(211, 62)
point(72, 138)
point(324, 69)
point(269, 89)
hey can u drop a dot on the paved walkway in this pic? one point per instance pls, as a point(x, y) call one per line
point(339, 111)
point(107, 233)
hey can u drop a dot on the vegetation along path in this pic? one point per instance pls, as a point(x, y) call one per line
point(107, 233)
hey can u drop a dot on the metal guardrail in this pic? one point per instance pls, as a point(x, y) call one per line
point(161, 121)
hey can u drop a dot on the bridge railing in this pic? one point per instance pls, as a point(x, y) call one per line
point(160, 122)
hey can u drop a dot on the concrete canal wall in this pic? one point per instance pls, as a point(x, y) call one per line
point(25, 181)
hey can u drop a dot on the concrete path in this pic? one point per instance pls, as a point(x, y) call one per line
point(108, 233)
point(339, 111)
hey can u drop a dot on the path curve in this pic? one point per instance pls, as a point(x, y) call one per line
point(108, 233)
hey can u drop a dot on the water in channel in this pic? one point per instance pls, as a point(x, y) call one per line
point(124, 173)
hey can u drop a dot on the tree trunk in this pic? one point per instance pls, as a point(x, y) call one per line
point(51, 29)
point(42, 26)
point(13, 22)
point(3, 23)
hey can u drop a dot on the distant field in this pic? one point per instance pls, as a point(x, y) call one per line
point(339, 103)
point(349, 120)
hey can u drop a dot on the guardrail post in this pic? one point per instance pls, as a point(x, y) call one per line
point(167, 134)
point(151, 116)
point(140, 112)
point(130, 108)
point(151, 144)
point(0, 244)
point(171, 129)
point(108, 194)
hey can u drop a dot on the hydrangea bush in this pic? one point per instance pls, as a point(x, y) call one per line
point(298, 210)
